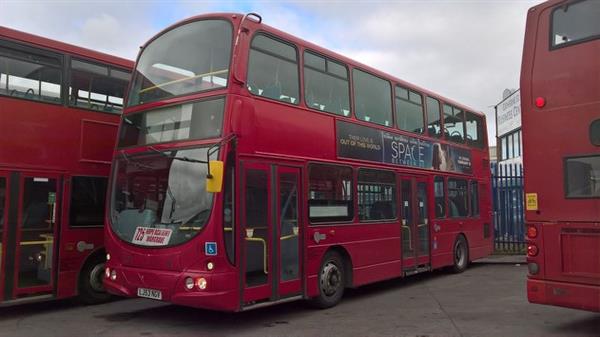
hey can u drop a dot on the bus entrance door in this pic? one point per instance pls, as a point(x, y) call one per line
point(415, 225)
point(35, 235)
point(270, 232)
point(3, 220)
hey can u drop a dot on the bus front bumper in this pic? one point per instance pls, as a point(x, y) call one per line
point(570, 295)
point(220, 293)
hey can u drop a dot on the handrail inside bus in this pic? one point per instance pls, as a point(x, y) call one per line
point(212, 73)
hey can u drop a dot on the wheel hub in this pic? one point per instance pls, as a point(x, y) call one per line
point(96, 275)
point(330, 279)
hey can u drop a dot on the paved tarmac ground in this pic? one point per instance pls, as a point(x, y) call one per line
point(486, 300)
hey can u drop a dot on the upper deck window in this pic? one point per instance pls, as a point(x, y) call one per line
point(273, 70)
point(190, 58)
point(434, 119)
point(326, 85)
point(454, 120)
point(474, 128)
point(29, 73)
point(575, 22)
point(97, 87)
point(372, 98)
point(197, 120)
point(409, 110)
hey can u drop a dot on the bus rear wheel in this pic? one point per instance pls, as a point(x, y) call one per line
point(461, 254)
point(331, 281)
point(91, 287)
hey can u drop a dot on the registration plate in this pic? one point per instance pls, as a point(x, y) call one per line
point(149, 293)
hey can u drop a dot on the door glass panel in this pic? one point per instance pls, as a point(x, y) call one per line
point(2, 211)
point(407, 219)
point(423, 225)
point(288, 220)
point(257, 227)
point(37, 232)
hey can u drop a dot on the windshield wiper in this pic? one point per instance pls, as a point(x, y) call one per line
point(176, 157)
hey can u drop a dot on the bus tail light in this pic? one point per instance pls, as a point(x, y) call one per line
point(532, 250)
point(201, 283)
point(540, 102)
point(532, 232)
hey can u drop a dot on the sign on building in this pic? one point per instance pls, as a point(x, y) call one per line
point(508, 113)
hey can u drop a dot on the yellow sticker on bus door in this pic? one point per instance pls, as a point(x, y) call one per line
point(532, 201)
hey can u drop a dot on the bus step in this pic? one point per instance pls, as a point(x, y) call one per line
point(269, 303)
point(26, 300)
point(417, 270)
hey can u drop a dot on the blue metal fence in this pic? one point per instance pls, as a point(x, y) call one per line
point(508, 207)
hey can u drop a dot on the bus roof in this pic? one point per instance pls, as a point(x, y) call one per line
point(63, 47)
point(309, 45)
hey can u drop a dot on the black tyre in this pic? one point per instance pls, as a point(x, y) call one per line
point(91, 287)
point(331, 281)
point(461, 254)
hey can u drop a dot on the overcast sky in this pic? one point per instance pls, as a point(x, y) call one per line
point(469, 51)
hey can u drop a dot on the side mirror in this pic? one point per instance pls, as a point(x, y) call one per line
point(214, 179)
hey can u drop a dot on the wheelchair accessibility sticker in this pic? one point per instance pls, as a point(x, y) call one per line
point(210, 248)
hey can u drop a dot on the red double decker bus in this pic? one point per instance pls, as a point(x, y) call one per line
point(60, 106)
point(560, 88)
point(333, 174)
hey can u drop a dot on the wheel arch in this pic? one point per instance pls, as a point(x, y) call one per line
point(348, 265)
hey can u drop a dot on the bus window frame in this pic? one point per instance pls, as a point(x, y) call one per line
point(110, 67)
point(396, 202)
point(33, 49)
point(71, 199)
point(565, 179)
point(352, 220)
point(265, 33)
point(551, 45)
point(348, 73)
point(410, 90)
point(391, 102)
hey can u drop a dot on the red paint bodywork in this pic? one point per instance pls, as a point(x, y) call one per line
point(270, 132)
point(568, 80)
point(56, 141)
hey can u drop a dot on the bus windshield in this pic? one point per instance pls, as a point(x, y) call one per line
point(190, 58)
point(160, 198)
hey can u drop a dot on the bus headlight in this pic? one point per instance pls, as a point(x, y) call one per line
point(201, 283)
point(210, 266)
point(107, 272)
point(107, 257)
point(113, 275)
point(189, 283)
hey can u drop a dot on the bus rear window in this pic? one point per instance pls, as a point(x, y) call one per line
point(575, 22)
point(582, 177)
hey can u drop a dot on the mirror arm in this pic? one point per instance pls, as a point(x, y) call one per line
point(215, 148)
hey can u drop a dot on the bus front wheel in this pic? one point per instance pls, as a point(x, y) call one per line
point(91, 288)
point(461, 254)
point(331, 281)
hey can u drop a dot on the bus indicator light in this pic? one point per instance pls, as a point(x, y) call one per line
point(540, 102)
point(201, 283)
point(532, 232)
point(532, 250)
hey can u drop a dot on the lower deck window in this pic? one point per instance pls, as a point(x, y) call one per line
point(457, 198)
point(330, 193)
point(582, 177)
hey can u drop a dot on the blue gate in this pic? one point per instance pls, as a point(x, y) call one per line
point(508, 207)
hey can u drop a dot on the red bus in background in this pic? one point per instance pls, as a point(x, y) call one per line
point(560, 88)
point(60, 106)
point(333, 174)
